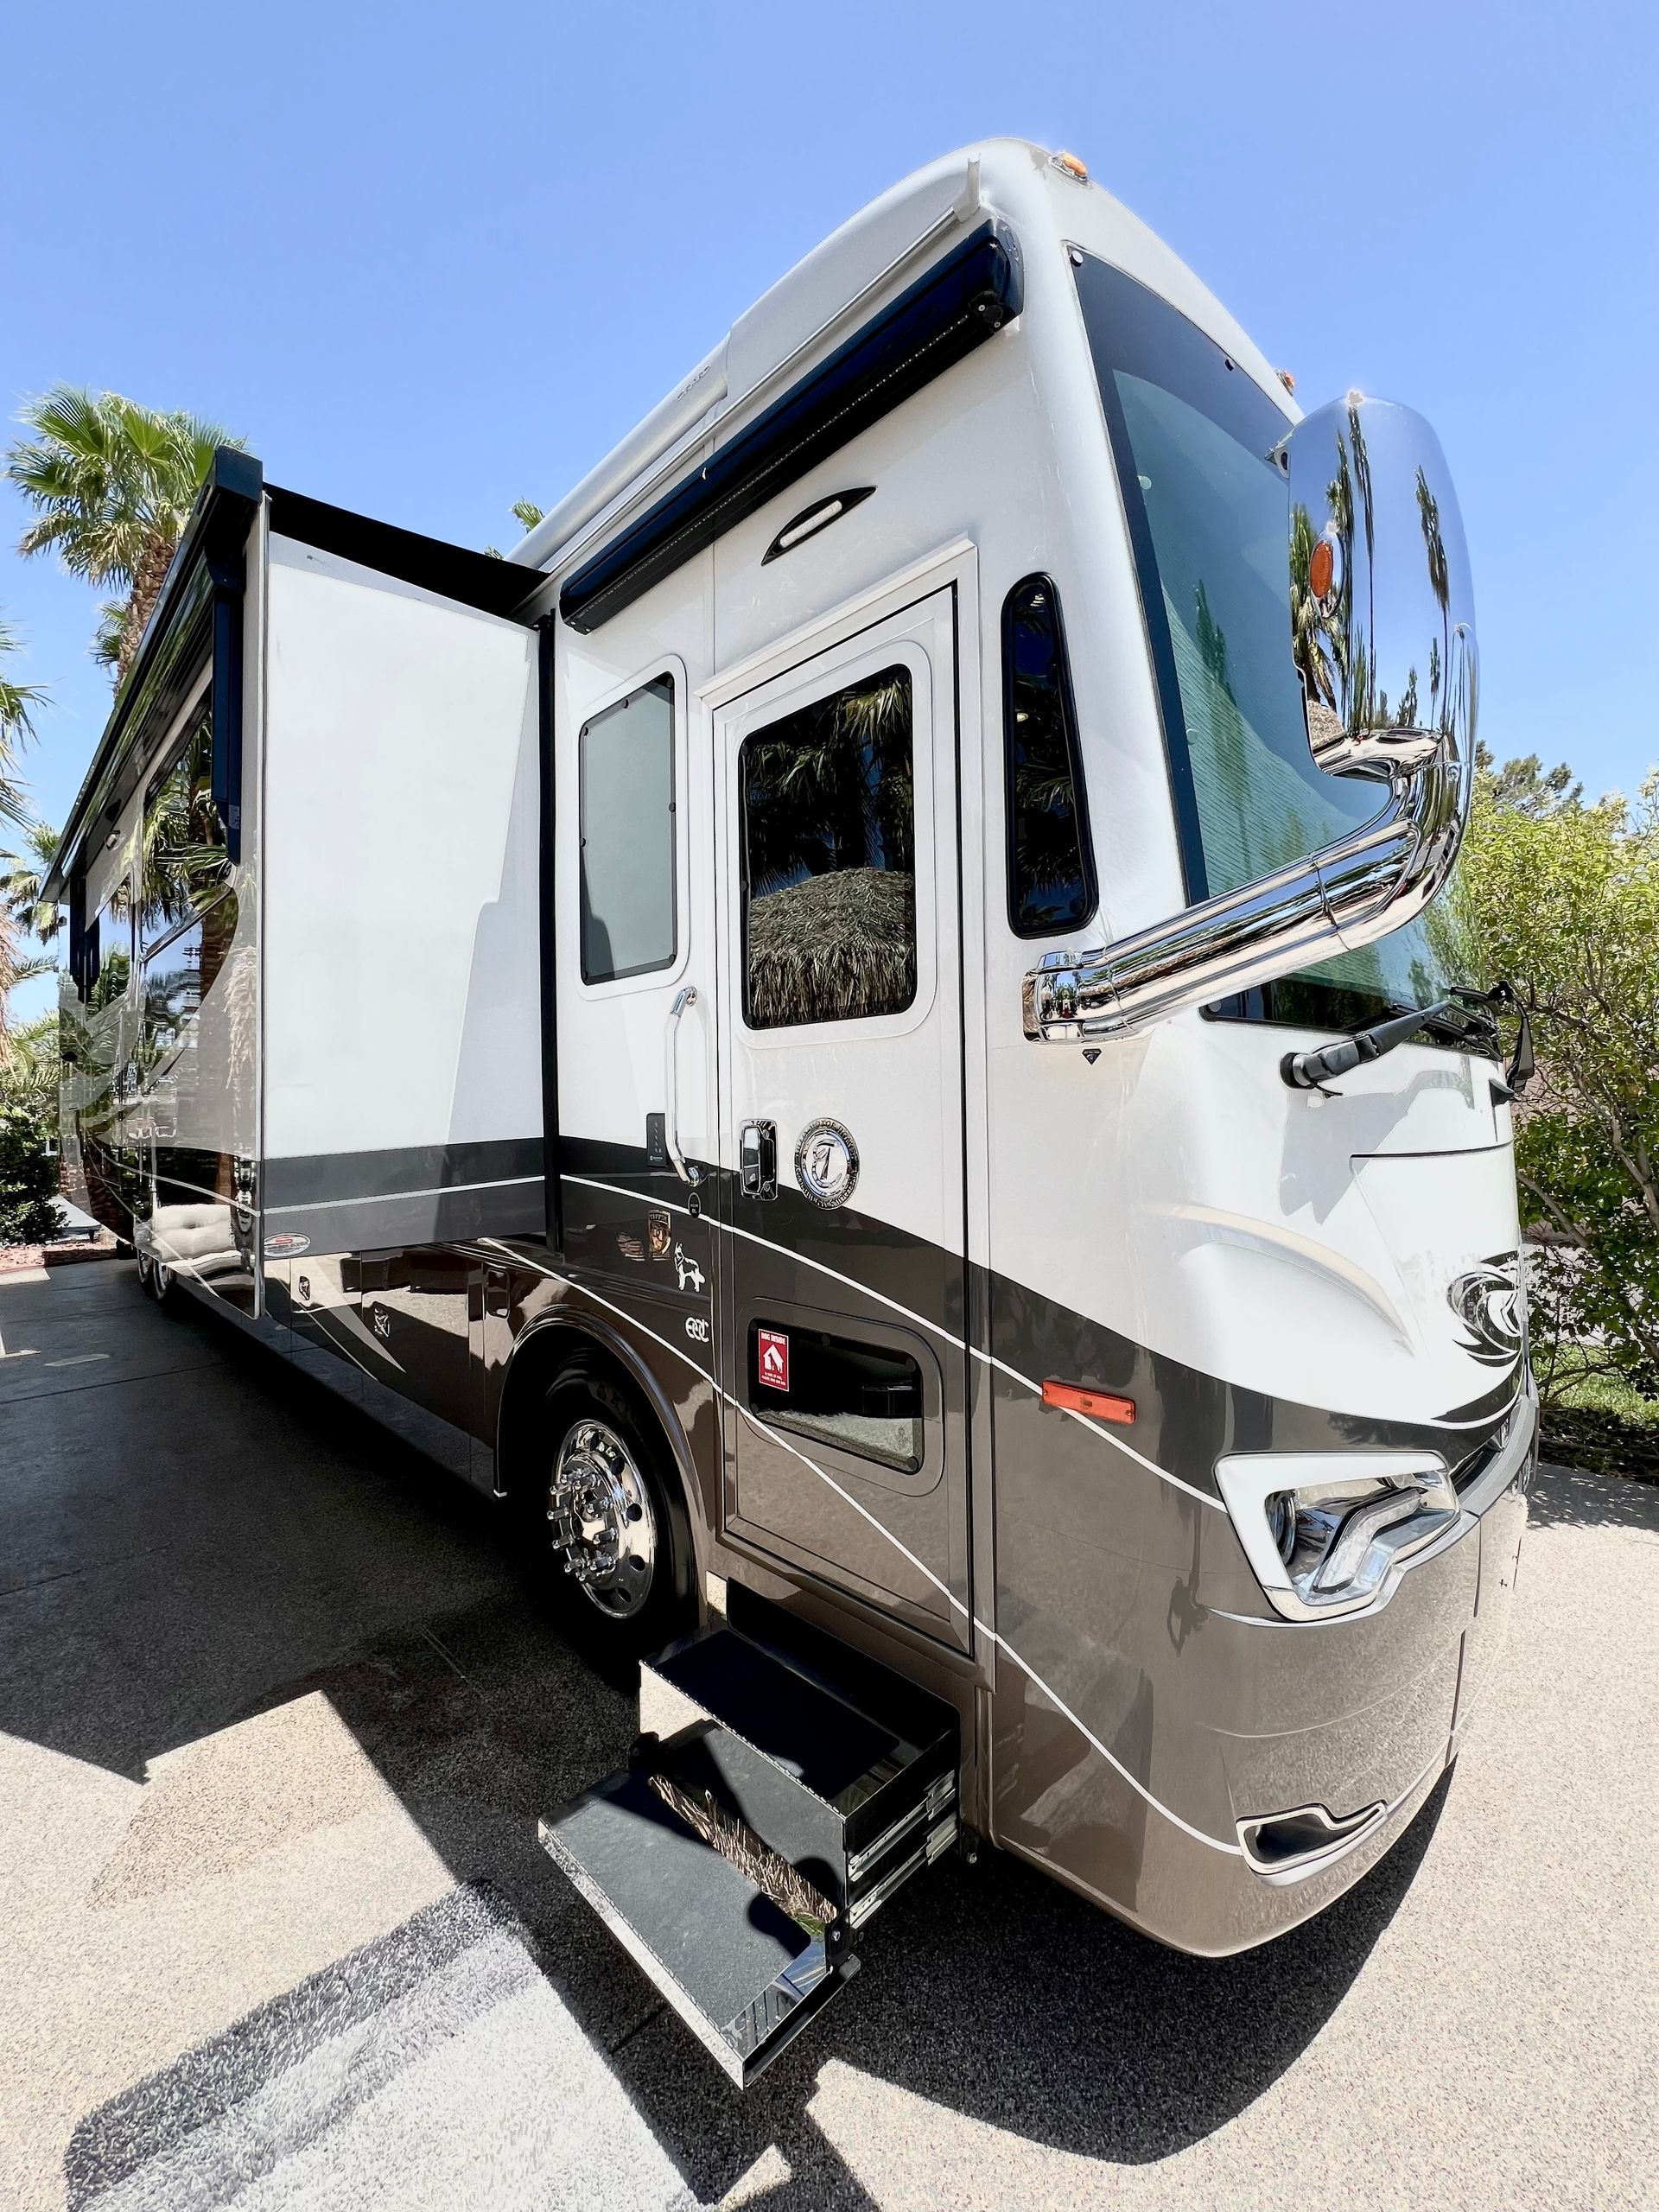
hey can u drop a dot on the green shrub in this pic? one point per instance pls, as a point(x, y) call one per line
point(28, 1175)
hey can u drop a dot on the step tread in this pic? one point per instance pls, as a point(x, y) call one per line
point(717, 1947)
point(843, 1752)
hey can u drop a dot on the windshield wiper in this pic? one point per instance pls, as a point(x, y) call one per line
point(1466, 1017)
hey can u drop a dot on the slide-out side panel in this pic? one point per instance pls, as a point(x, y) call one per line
point(403, 1055)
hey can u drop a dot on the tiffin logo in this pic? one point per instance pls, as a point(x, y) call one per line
point(773, 1359)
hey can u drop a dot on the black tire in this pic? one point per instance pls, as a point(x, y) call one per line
point(146, 1271)
point(597, 1433)
point(161, 1283)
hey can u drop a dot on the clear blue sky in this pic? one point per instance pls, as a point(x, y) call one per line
point(430, 259)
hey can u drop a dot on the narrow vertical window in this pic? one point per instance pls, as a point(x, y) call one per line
point(1051, 863)
point(626, 772)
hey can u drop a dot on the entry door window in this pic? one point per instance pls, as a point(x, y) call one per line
point(829, 892)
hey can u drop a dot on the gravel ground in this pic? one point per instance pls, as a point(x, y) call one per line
point(278, 1715)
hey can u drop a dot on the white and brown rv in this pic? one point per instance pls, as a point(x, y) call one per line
point(865, 1033)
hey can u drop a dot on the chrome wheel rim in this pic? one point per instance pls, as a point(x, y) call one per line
point(161, 1275)
point(600, 1519)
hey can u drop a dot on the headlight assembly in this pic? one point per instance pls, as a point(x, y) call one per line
point(1325, 1531)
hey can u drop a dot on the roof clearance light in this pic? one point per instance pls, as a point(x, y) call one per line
point(1069, 165)
point(1098, 1405)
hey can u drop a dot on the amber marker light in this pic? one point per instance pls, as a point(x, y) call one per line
point(1099, 1405)
point(1069, 165)
point(1321, 569)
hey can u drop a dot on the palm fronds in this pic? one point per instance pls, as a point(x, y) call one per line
point(831, 946)
point(112, 483)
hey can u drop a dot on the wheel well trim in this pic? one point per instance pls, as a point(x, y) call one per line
point(610, 1340)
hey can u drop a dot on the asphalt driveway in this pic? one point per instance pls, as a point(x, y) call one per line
point(277, 1716)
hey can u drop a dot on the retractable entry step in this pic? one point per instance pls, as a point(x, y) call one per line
point(773, 1802)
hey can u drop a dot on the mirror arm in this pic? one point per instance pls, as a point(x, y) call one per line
point(1361, 888)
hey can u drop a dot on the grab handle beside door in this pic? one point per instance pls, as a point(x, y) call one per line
point(688, 1171)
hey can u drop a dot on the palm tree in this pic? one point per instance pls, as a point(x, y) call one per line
point(17, 705)
point(112, 484)
point(527, 514)
point(20, 885)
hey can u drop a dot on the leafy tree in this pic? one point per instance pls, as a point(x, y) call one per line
point(29, 1171)
point(1524, 785)
point(29, 1177)
point(112, 484)
point(1565, 898)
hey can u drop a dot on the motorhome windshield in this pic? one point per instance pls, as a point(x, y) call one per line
point(1192, 435)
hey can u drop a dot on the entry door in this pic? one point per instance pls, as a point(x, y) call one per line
point(842, 1113)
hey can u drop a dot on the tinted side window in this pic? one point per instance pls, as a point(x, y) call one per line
point(829, 858)
point(185, 863)
point(626, 773)
point(1051, 864)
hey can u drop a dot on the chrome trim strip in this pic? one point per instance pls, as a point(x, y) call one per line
point(1362, 889)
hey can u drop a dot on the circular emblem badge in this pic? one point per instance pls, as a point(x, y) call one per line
point(826, 1163)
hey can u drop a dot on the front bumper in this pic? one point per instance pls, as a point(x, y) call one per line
point(1250, 1717)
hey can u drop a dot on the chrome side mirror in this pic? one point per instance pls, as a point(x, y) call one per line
point(1382, 632)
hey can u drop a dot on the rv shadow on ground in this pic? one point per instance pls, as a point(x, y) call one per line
point(218, 1537)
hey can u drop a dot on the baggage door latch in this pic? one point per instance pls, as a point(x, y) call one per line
point(757, 1160)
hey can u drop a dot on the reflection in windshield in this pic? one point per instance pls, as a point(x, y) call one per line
point(1193, 438)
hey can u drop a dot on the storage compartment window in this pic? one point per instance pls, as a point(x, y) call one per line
point(626, 771)
point(864, 1398)
point(829, 858)
point(1051, 864)
point(186, 865)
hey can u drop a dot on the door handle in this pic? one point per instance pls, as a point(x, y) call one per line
point(757, 1160)
point(686, 1170)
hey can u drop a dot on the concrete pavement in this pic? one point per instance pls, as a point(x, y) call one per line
point(278, 1713)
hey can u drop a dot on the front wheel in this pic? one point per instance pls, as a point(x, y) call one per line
point(608, 1523)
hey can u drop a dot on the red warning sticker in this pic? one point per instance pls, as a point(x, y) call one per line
point(773, 1359)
